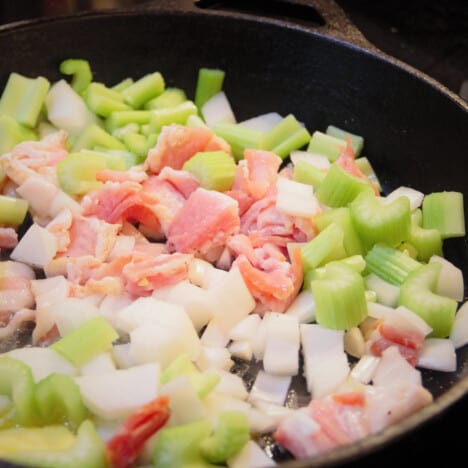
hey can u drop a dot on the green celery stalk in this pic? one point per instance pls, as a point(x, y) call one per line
point(137, 144)
point(355, 262)
point(427, 242)
point(93, 136)
point(80, 71)
point(308, 174)
point(121, 118)
point(210, 82)
point(364, 165)
point(195, 121)
point(171, 115)
point(12, 210)
point(327, 145)
point(144, 89)
point(104, 101)
point(238, 137)
point(12, 133)
point(124, 84)
point(170, 97)
point(23, 98)
point(356, 140)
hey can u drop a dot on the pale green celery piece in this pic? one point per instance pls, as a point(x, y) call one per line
point(356, 140)
point(444, 211)
point(12, 210)
point(427, 242)
point(294, 142)
point(115, 160)
point(80, 71)
point(170, 97)
point(120, 132)
point(408, 249)
point(364, 165)
point(120, 119)
point(104, 101)
point(93, 136)
point(339, 296)
point(93, 337)
point(327, 145)
point(171, 115)
point(137, 144)
point(196, 121)
point(387, 294)
point(390, 264)
point(308, 174)
point(144, 89)
point(356, 262)
point(417, 293)
point(238, 137)
point(209, 83)
point(124, 84)
point(416, 217)
point(371, 296)
point(152, 139)
point(215, 170)
point(12, 133)
point(23, 98)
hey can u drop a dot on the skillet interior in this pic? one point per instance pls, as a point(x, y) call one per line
point(416, 133)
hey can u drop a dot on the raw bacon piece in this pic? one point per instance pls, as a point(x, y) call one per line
point(15, 286)
point(176, 144)
point(60, 227)
point(206, 221)
point(185, 182)
point(8, 238)
point(134, 174)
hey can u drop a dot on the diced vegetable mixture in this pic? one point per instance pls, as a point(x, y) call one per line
point(163, 244)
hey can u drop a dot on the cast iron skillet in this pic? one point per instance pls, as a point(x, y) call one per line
point(416, 131)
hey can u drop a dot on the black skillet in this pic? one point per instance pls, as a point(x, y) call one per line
point(284, 56)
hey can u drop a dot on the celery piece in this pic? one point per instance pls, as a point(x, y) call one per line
point(387, 294)
point(88, 451)
point(120, 132)
point(341, 216)
point(308, 276)
point(364, 165)
point(339, 187)
point(171, 115)
point(408, 249)
point(308, 174)
point(375, 222)
point(179, 446)
point(418, 294)
point(93, 136)
point(104, 101)
point(23, 98)
point(115, 159)
point(339, 296)
point(390, 264)
point(371, 296)
point(326, 246)
point(355, 262)
point(12, 133)
point(137, 144)
point(444, 211)
point(144, 89)
point(427, 242)
point(231, 434)
point(209, 82)
point(121, 118)
point(238, 137)
point(170, 97)
point(16, 382)
point(93, 337)
point(203, 382)
point(12, 210)
point(215, 170)
point(152, 139)
point(80, 71)
point(286, 136)
point(196, 121)
point(327, 145)
point(59, 401)
point(356, 140)
point(121, 85)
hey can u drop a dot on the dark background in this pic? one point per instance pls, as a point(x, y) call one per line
point(433, 37)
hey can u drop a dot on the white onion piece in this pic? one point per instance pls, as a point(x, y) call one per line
point(278, 412)
point(354, 343)
point(121, 355)
point(325, 362)
point(214, 335)
point(303, 307)
point(378, 311)
point(216, 403)
point(450, 282)
point(63, 201)
point(39, 193)
point(415, 197)
point(262, 123)
point(246, 329)
point(231, 384)
point(270, 388)
point(260, 422)
point(291, 246)
point(295, 198)
point(45, 129)
point(438, 354)
point(250, 456)
point(258, 345)
point(111, 305)
point(218, 110)
point(459, 333)
point(394, 369)
point(317, 160)
point(214, 358)
point(198, 272)
point(101, 364)
point(241, 350)
point(387, 294)
point(365, 368)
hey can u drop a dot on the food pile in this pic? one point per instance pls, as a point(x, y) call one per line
point(156, 244)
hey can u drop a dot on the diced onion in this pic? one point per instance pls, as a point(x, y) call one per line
point(450, 282)
point(438, 354)
point(394, 369)
point(262, 123)
point(270, 388)
point(303, 307)
point(459, 333)
point(295, 198)
point(241, 350)
point(246, 329)
point(415, 197)
point(365, 368)
point(218, 110)
point(317, 160)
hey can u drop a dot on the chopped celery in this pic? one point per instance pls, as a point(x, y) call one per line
point(364, 165)
point(120, 132)
point(231, 434)
point(339, 187)
point(375, 222)
point(327, 145)
point(144, 89)
point(87, 451)
point(196, 121)
point(103, 101)
point(170, 97)
point(286, 136)
point(416, 217)
point(124, 84)
point(308, 174)
point(356, 140)
point(81, 72)
point(16, 382)
point(215, 170)
point(239, 138)
point(93, 136)
point(408, 249)
point(12, 133)
point(115, 159)
point(444, 211)
point(87, 341)
point(326, 246)
point(203, 382)
point(390, 264)
point(12, 210)
point(341, 216)
point(23, 98)
point(59, 401)
point(179, 446)
point(209, 82)
point(427, 242)
point(418, 294)
point(121, 118)
point(137, 144)
point(339, 296)
point(387, 294)
point(171, 115)
point(355, 262)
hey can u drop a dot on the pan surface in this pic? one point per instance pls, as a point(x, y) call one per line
point(416, 132)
